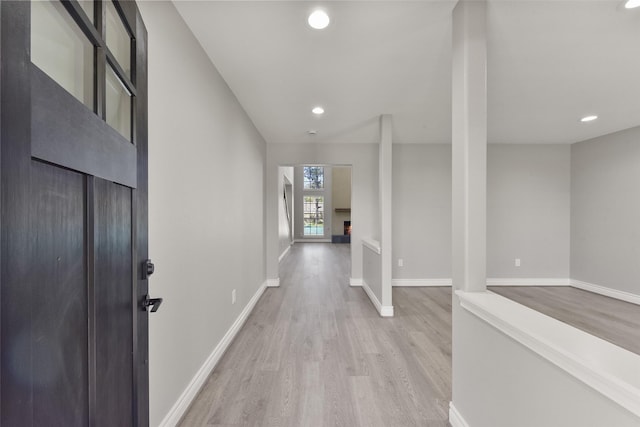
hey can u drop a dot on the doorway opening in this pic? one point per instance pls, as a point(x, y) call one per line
point(315, 205)
point(322, 202)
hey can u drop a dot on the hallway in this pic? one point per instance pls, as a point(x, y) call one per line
point(315, 353)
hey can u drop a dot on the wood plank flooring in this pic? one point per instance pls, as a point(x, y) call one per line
point(315, 353)
point(610, 319)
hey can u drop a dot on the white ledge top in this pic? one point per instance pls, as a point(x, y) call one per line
point(374, 245)
point(607, 368)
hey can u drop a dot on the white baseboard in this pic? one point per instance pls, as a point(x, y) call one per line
point(386, 311)
point(527, 282)
point(455, 418)
point(383, 310)
point(602, 290)
point(613, 293)
point(312, 240)
point(284, 253)
point(273, 283)
point(421, 282)
point(355, 282)
point(184, 401)
point(490, 282)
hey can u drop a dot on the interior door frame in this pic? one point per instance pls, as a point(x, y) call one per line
point(17, 79)
point(287, 188)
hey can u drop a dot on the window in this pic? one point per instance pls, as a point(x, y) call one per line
point(313, 215)
point(98, 72)
point(118, 40)
point(118, 104)
point(313, 177)
point(60, 49)
point(88, 8)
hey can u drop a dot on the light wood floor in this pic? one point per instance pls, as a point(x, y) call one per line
point(610, 319)
point(315, 353)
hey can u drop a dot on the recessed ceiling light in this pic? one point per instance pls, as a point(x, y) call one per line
point(318, 19)
point(312, 132)
point(630, 4)
point(588, 119)
point(318, 111)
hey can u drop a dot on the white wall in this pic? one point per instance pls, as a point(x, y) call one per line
point(605, 211)
point(284, 238)
point(422, 211)
point(528, 210)
point(498, 382)
point(206, 226)
point(364, 208)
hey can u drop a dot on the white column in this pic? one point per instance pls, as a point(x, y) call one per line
point(469, 198)
point(385, 195)
point(469, 146)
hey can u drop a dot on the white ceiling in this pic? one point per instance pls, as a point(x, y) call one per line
point(550, 63)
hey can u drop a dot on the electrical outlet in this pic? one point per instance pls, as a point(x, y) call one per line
point(400, 262)
point(517, 262)
point(233, 296)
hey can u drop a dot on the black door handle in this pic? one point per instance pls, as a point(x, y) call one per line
point(154, 303)
point(147, 269)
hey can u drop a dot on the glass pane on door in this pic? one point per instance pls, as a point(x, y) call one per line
point(313, 215)
point(117, 38)
point(118, 104)
point(61, 50)
point(87, 6)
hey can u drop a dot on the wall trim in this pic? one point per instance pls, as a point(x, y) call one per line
point(355, 282)
point(455, 418)
point(272, 283)
point(420, 282)
point(603, 290)
point(284, 253)
point(598, 289)
point(374, 245)
point(613, 373)
point(383, 310)
point(527, 282)
point(490, 282)
point(181, 406)
point(386, 311)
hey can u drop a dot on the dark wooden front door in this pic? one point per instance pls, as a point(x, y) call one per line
point(73, 117)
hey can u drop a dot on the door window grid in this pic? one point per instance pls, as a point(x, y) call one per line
point(93, 90)
point(313, 215)
point(117, 37)
point(89, 10)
